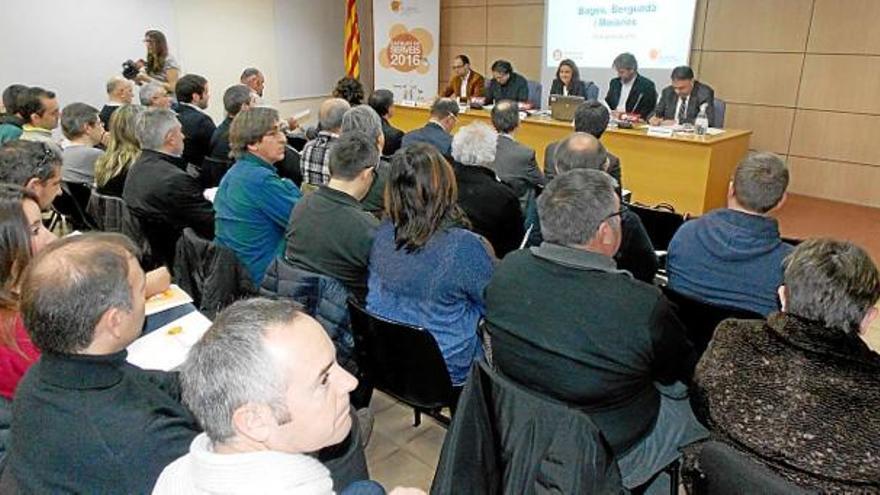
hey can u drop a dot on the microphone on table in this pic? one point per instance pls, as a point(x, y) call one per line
point(638, 100)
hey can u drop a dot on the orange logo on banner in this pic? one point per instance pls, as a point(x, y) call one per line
point(407, 51)
point(395, 5)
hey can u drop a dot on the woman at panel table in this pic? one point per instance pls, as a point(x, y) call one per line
point(22, 236)
point(568, 82)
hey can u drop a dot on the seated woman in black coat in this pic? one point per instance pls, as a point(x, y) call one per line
point(568, 82)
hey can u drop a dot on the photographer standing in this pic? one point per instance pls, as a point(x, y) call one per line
point(160, 66)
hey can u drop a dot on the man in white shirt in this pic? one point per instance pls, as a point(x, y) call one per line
point(682, 100)
point(465, 83)
point(265, 385)
point(630, 92)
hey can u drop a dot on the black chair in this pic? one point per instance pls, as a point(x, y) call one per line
point(212, 171)
point(661, 223)
point(72, 204)
point(403, 361)
point(700, 318)
point(723, 470)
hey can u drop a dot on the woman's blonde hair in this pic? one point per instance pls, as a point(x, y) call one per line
point(124, 147)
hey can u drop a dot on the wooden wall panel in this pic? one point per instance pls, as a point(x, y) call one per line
point(757, 25)
point(843, 83)
point(750, 77)
point(837, 136)
point(771, 126)
point(516, 25)
point(463, 26)
point(845, 26)
point(699, 25)
point(526, 61)
point(459, 3)
point(835, 180)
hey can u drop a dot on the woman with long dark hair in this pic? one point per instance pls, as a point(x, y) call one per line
point(426, 268)
point(160, 66)
point(22, 235)
point(568, 82)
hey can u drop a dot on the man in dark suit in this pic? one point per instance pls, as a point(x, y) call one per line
point(192, 93)
point(514, 163)
point(382, 101)
point(630, 92)
point(591, 117)
point(236, 99)
point(681, 101)
point(437, 132)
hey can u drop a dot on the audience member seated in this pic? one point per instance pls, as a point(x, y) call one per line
point(316, 153)
point(39, 109)
point(236, 99)
point(161, 67)
point(81, 408)
point(438, 131)
point(568, 82)
point(155, 95)
point(253, 79)
point(36, 166)
point(630, 92)
point(636, 253)
point(566, 322)
point(490, 205)
point(466, 82)
point(253, 204)
point(123, 150)
point(22, 235)
point(506, 84)
point(83, 130)
point(192, 93)
point(426, 268)
point(330, 233)
point(733, 256)
point(514, 163)
point(11, 120)
point(592, 118)
point(382, 101)
point(798, 393)
point(265, 384)
point(162, 197)
point(364, 119)
point(120, 91)
point(681, 102)
point(349, 89)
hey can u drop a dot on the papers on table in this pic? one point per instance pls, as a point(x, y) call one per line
point(171, 298)
point(167, 347)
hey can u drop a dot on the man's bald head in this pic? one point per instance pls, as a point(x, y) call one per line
point(331, 112)
point(581, 151)
point(69, 286)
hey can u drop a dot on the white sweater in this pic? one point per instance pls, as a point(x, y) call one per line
point(268, 472)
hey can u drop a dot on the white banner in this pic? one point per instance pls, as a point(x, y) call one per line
point(407, 40)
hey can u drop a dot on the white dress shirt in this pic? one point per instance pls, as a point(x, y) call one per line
point(678, 107)
point(625, 89)
point(464, 84)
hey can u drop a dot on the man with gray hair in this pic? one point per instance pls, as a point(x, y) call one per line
point(363, 118)
point(733, 256)
point(636, 253)
point(514, 163)
point(438, 131)
point(120, 91)
point(83, 130)
point(315, 163)
point(491, 205)
point(154, 95)
point(158, 191)
point(265, 384)
point(564, 320)
point(591, 117)
point(630, 92)
point(253, 79)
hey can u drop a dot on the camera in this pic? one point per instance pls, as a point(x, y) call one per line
point(129, 69)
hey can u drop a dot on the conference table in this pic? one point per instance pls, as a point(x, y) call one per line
point(687, 171)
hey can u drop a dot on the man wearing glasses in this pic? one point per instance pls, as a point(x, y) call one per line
point(465, 83)
point(566, 322)
point(438, 131)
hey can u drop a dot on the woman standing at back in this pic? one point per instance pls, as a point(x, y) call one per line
point(161, 66)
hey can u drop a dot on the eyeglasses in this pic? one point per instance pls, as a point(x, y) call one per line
point(458, 66)
point(620, 212)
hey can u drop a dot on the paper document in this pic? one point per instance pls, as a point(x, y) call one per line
point(167, 347)
point(171, 298)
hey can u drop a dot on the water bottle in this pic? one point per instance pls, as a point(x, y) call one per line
point(701, 124)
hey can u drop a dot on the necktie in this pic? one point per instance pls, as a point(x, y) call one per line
point(682, 110)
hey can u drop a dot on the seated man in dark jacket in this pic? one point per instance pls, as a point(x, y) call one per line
point(437, 132)
point(163, 198)
point(84, 420)
point(329, 232)
point(636, 253)
point(382, 101)
point(566, 322)
point(592, 118)
point(192, 93)
point(490, 205)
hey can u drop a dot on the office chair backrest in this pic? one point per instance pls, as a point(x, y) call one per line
point(727, 471)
